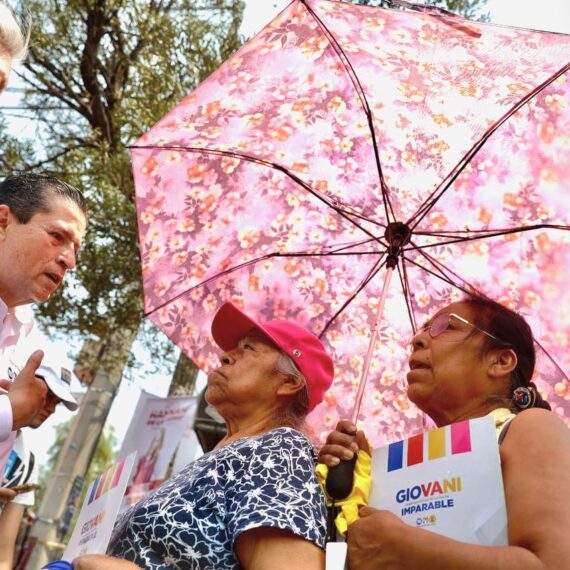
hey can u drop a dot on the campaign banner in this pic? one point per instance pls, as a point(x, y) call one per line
point(99, 511)
point(447, 480)
point(155, 432)
point(189, 449)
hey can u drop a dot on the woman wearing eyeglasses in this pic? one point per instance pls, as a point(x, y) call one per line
point(471, 359)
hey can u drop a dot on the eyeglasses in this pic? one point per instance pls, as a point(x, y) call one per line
point(443, 322)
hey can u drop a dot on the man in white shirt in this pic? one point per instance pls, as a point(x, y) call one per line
point(22, 468)
point(42, 223)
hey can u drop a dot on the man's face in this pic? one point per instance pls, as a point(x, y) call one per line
point(35, 257)
point(5, 66)
point(49, 408)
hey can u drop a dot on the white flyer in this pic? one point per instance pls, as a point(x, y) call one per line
point(447, 480)
point(99, 511)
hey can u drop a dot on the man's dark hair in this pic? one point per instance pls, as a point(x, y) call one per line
point(28, 194)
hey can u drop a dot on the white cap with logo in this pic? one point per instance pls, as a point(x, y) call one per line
point(58, 379)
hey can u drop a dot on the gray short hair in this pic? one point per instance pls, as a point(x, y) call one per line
point(14, 36)
point(298, 407)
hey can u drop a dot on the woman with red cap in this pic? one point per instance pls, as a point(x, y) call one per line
point(254, 501)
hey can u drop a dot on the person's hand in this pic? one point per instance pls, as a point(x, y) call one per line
point(27, 393)
point(343, 443)
point(102, 562)
point(6, 494)
point(376, 539)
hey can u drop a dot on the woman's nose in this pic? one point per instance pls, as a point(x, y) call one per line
point(419, 339)
point(226, 358)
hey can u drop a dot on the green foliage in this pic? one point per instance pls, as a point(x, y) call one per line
point(470, 9)
point(15, 153)
point(99, 74)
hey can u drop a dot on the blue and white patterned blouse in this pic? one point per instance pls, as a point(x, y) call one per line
point(194, 519)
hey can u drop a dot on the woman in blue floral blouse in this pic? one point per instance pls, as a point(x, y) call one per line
point(254, 501)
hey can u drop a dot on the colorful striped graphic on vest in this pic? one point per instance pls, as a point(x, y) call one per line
point(430, 445)
point(105, 482)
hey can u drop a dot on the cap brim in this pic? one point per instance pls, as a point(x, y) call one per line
point(230, 325)
point(64, 395)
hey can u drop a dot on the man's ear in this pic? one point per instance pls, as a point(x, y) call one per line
point(6, 217)
point(290, 385)
point(503, 362)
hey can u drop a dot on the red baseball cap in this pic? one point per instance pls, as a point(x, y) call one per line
point(230, 325)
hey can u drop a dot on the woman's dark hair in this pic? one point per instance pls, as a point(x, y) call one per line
point(512, 331)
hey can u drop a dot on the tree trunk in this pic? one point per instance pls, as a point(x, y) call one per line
point(184, 378)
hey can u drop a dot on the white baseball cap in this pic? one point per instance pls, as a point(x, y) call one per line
point(58, 380)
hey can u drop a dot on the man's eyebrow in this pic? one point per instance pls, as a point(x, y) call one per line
point(68, 234)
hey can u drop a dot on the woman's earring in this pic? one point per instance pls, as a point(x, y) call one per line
point(523, 397)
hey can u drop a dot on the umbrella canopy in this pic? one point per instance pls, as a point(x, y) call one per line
point(280, 182)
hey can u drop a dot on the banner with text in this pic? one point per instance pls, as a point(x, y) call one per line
point(155, 432)
point(447, 480)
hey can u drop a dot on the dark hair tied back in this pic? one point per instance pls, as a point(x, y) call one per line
point(514, 333)
point(529, 397)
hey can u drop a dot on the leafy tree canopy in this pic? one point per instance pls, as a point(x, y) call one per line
point(470, 9)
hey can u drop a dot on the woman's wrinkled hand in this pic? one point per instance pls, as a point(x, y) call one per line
point(376, 540)
point(343, 443)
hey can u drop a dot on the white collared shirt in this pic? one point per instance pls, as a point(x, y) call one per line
point(15, 326)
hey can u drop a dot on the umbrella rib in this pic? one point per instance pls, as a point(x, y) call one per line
point(548, 355)
point(209, 280)
point(452, 233)
point(552, 359)
point(478, 291)
point(341, 249)
point(446, 183)
point(378, 264)
point(446, 271)
point(263, 258)
point(441, 275)
point(403, 275)
point(366, 107)
point(494, 233)
point(269, 164)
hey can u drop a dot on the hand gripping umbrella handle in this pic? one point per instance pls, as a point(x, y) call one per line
point(340, 479)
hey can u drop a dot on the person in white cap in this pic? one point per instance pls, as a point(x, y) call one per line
point(21, 473)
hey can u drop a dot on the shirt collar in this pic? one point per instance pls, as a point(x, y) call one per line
point(3, 310)
point(23, 314)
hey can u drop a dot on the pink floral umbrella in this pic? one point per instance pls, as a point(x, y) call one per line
point(283, 182)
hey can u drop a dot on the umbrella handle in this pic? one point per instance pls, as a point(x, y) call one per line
point(340, 479)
